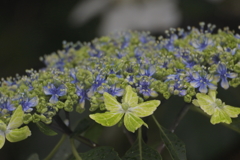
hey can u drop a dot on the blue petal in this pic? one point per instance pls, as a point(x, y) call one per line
point(224, 83)
point(212, 86)
point(203, 88)
point(119, 92)
point(33, 102)
point(9, 106)
point(182, 92)
point(47, 90)
point(53, 99)
point(232, 75)
point(152, 70)
point(221, 69)
point(195, 83)
point(196, 76)
point(61, 90)
point(153, 94)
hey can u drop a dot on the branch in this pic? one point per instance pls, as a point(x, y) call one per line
point(178, 119)
point(66, 130)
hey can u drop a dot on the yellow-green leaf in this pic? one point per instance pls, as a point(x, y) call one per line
point(111, 103)
point(20, 134)
point(107, 119)
point(231, 111)
point(2, 139)
point(206, 103)
point(220, 116)
point(3, 126)
point(132, 122)
point(16, 119)
point(130, 97)
point(145, 109)
point(212, 94)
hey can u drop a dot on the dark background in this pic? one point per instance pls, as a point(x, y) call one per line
point(31, 29)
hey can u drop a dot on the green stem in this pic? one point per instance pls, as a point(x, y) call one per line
point(55, 149)
point(180, 116)
point(140, 142)
point(155, 120)
point(74, 150)
point(69, 132)
point(85, 141)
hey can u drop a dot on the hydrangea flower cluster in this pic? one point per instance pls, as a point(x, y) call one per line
point(182, 63)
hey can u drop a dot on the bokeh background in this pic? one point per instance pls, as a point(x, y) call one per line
point(30, 29)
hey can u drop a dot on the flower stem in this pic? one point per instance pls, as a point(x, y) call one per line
point(178, 119)
point(74, 150)
point(140, 142)
point(66, 130)
point(54, 150)
point(180, 116)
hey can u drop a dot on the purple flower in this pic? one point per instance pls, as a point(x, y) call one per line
point(6, 105)
point(113, 90)
point(28, 103)
point(215, 59)
point(223, 75)
point(148, 72)
point(185, 54)
point(189, 76)
point(169, 44)
point(202, 82)
point(125, 42)
point(189, 63)
point(94, 52)
point(145, 38)
point(145, 90)
point(55, 92)
point(97, 82)
point(201, 44)
point(82, 93)
point(73, 75)
point(177, 89)
point(232, 51)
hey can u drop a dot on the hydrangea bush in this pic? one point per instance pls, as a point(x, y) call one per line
point(120, 79)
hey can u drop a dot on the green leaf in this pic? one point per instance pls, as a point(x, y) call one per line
point(145, 109)
point(111, 103)
point(231, 111)
point(212, 94)
point(206, 103)
point(174, 145)
point(132, 122)
point(220, 116)
point(100, 153)
point(215, 107)
point(108, 118)
point(20, 134)
point(45, 129)
point(2, 139)
point(3, 126)
point(130, 97)
point(147, 152)
point(16, 119)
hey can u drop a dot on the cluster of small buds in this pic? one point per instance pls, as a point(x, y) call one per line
point(182, 63)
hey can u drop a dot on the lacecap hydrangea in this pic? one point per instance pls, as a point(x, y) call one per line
point(183, 63)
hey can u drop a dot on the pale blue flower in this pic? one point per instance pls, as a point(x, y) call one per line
point(55, 92)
